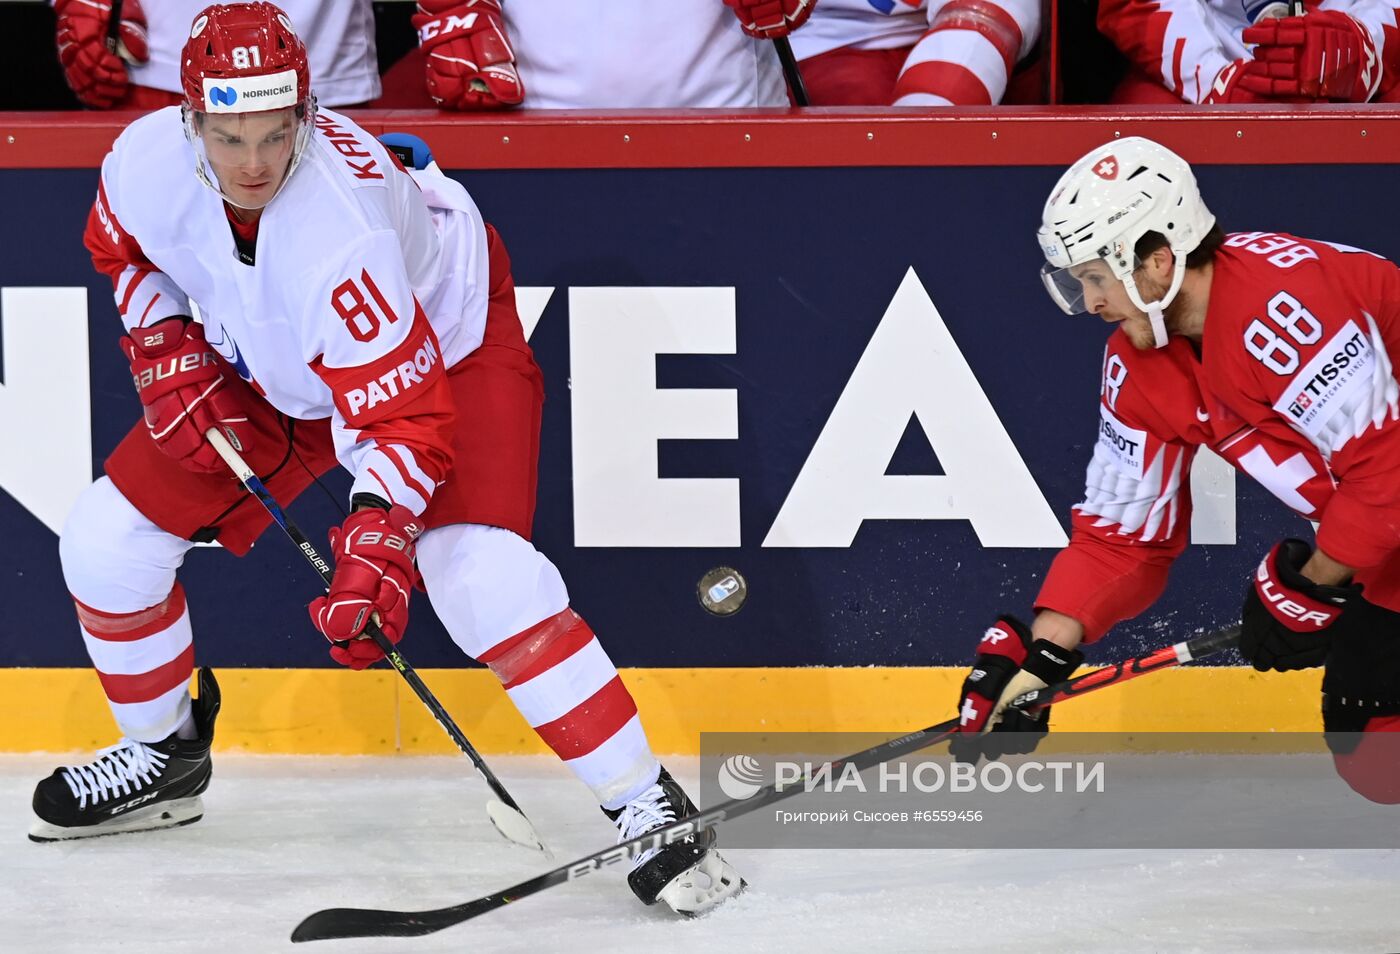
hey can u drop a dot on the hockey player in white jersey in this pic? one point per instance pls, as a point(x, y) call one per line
point(598, 54)
point(352, 313)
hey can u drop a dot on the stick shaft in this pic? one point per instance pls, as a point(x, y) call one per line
point(1168, 656)
point(425, 695)
point(791, 73)
point(364, 922)
point(114, 26)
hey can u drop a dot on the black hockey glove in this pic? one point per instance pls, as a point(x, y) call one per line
point(1288, 621)
point(1006, 650)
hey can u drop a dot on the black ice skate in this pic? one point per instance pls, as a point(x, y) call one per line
point(690, 875)
point(132, 786)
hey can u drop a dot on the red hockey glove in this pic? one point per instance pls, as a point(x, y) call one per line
point(470, 62)
point(183, 385)
point(770, 19)
point(373, 554)
point(96, 74)
point(1007, 650)
point(1229, 86)
point(1288, 621)
point(1325, 55)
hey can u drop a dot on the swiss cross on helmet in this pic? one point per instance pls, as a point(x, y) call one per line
point(1104, 204)
point(244, 58)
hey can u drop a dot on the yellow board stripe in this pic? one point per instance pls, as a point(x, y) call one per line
point(323, 711)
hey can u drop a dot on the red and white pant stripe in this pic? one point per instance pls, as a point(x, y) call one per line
point(144, 661)
point(120, 568)
point(565, 685)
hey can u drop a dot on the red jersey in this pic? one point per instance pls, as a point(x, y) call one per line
point(1294, 387)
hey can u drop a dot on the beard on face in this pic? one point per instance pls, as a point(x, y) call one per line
point(1138, 328)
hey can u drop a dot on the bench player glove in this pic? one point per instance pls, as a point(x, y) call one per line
point(1008, 664)
point(1325, 55)
point(770, 19)
point(1229, 86)
point(373, 554)
point(470, 64)
point(96, 74)
point(1288, 620)
point(183, 385)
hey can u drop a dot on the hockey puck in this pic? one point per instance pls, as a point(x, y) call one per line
point(722, 591)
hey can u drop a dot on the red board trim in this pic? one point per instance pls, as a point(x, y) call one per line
point(789, 138)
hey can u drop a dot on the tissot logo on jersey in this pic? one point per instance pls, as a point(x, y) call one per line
point(1341, 359)
point(1123, 444)
point(393, 382)
point(1335, 378)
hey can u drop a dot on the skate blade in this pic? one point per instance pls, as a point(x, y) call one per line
point(171, 814)
point(702, 887)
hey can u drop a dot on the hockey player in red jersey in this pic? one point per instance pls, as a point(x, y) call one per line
point(353, 313)
point(1252, 51)
point(1273, 351)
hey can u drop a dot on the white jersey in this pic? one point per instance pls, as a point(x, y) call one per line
point(862, 25)
point(638, 53)
point(339, 40)
point(1188, 43)
point(354, 260)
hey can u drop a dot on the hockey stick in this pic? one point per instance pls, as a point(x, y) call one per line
point(505, 814)
point(362, 922)
point(790, 71)
point(114, 26)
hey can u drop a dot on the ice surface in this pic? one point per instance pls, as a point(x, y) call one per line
point(285, 836)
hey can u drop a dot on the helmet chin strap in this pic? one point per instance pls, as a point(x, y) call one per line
point(1156, 311)
point(1159, 325)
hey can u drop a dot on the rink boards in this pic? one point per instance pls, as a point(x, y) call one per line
point(815, 350)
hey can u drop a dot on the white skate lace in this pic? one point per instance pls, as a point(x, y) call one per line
point(647, 812)
point(121, 769)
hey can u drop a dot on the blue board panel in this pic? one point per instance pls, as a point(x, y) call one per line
point(814, 257)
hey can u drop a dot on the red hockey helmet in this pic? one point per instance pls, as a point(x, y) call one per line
point(244, 57)
point(241, 59)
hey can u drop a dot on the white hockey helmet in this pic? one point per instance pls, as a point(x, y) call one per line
point(1104, 204)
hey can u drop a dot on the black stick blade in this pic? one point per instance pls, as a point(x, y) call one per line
point(336, 923)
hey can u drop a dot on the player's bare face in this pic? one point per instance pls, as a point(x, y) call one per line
point(1105, 296)
point(250, 153)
